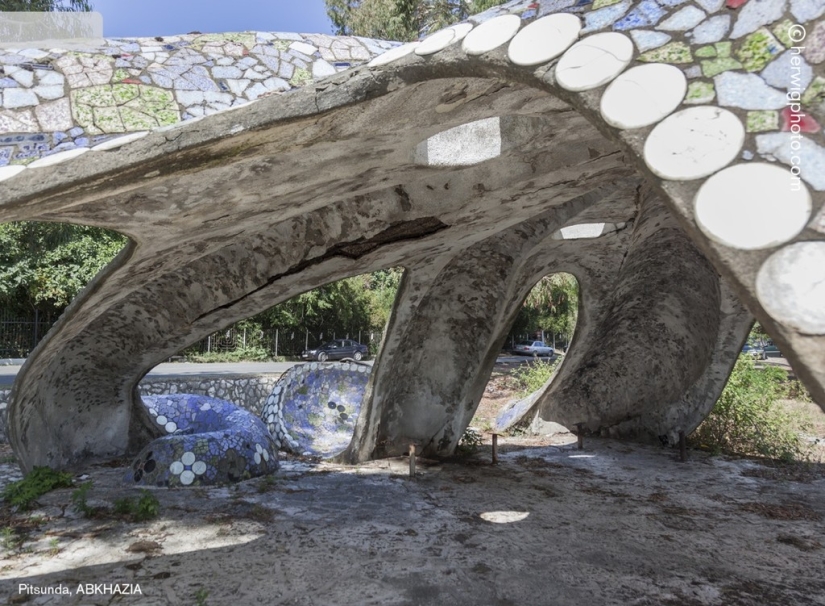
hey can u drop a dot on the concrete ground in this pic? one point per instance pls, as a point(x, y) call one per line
point(612, 524)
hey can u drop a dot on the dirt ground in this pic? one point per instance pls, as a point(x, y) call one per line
point(548, 525)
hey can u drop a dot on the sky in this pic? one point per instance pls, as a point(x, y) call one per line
point(125, 18)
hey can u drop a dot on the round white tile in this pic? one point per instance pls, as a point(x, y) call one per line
point(643, 95)
point(790, 286)
point(594, 61)
point(176, 468)
point(491, 34)
point(694, 143)
point(188, 458)
point(7, 172)
point(394, 54)
point(544, 39)
point(58, 157)
point(442, 39)
point(199, 468)
point(752, 206)
point(187, 477)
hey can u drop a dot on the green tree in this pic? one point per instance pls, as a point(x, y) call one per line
point(402, 20)
point(44, 266)
point(45, 6)
point(551, 306)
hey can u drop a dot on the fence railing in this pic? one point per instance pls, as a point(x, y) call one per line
point(19, 336)
point(279, 341)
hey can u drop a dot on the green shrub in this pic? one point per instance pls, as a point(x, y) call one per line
point(144, 508)
point(533, 375)
point(40, 480)
point(748, 418)
point(241, 354)
point(79, 499)
point(470, 441)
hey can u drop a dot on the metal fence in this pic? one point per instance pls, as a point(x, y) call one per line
point(280, 342)
point(19, 336)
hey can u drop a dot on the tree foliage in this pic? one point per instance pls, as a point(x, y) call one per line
point(402, 20)
point(45, 6)
point(551, 306)
point(44, 266)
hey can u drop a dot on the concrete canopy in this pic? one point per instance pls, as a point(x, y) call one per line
point(460, 167)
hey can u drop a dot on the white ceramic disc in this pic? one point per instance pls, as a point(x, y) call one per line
point(643, 95)
point(594, 61)
point(442, 39)
point(544, 39)
point(7, 172)
point(790, 286)
point(491, 34)
point(752, 206)
point(694, 143)
point(394, 54)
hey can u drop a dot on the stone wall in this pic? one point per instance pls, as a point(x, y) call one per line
point(248, 391)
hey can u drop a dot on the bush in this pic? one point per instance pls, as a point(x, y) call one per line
point(533, 375)
point(79, 499)
point(248, 354)
point(748, 419)
point(144, 508)
point(23, 493)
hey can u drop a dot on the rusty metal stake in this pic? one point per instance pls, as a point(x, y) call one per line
point(495, 449)
point(412, 460)
point(580, 434)
point(682, 447)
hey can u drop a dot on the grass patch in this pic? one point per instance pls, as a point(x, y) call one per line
point(532, 376)
point(24, 493)
point(146, 507)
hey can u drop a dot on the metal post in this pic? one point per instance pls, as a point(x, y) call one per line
point(412, 460)
point(682, 447)
point(276, 342)
point(244, 338)
point(306, 341)
point(495, 449)
point(208, 343)
point(580, 434)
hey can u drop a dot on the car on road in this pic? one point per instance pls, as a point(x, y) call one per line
point(532, 348)
point(757, 353)
point(772, 351)
point(337, 350)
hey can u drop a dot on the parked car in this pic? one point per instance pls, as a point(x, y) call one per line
point(756, 353)
point(532, 348)
point(772, 351)
point(337, 350)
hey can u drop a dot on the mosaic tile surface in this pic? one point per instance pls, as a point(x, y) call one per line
point(209, 441)
point(314, 407)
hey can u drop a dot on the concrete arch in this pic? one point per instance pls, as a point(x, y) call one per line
point(246, 208)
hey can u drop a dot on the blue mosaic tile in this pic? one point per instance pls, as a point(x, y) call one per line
point(646, 13)
point(209, 441)
point(5, 155)
point(75, 132)
point(8, 83)
point(314, 407)
point(605, 17)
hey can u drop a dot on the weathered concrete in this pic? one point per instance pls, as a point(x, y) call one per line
point(244, 209)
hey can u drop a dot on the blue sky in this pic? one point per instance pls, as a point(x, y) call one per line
point(168, 17)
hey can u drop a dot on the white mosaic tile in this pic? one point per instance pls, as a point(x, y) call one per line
point(752, 206)
point(22, 76)
point(58, 157)
point(790, 286)
point(800, 153)
point(694, 71)
point(227, 71)
point(7, 172)
point(303, 47)
point(646, 40)
point(788, 71)
point(18, 122)
point(49, 78)
point(14, 98)
point(491, 34)
point(322, 69)
point(603, 17)
point(544, 39)
point(807, 10)
point(712, 30)
point(444, 38)
point(755, 14)
point(55, 116)
point(391, 55)
point(594, 61)
point(747, 91)
point(49, 92)
point(694, 143)
point(643, 95)
point(711, 6)
point(683, 20)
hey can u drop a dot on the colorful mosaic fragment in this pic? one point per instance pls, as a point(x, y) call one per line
point(123, 108)
point(210, 441)
point(675, 52)
point(760, 121)
point(758, 49)
point(314, 407)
